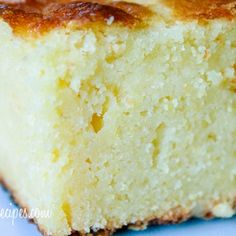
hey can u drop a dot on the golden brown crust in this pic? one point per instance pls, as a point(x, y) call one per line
point(38, 16)
point(35, 16)
point(202, 10)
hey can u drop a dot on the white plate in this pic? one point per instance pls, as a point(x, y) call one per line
point(20, 227)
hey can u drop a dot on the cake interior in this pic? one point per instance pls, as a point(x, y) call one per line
point(106, 128)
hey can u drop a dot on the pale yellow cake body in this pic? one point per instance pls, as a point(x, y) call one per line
point(107, 128)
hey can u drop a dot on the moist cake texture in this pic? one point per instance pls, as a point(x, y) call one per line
point(118, 113)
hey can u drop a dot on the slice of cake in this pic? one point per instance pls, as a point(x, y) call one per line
point(117, 113)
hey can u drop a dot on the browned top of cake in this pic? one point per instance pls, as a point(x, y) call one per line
point(40, 15)
point(203, 9)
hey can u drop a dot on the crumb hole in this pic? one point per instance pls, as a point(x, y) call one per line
point(143, 113)
point(88, 161)
point(174, 145)
point(212, 137)
point(97, 122)
point(55, 155)
point(63, 84)
point(156, 143)
point(67, 211)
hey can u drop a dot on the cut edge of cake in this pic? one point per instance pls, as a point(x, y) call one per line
point(224, 11)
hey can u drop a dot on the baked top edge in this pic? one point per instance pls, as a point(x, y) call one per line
point(37, 16)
